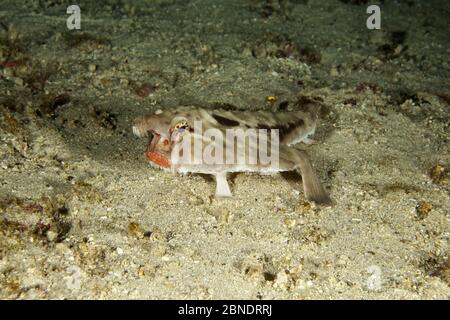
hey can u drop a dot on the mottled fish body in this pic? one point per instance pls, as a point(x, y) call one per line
point(173, 130)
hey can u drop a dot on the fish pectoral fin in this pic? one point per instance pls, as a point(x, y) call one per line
point(222, 187)
point(309, 141)
point(312, 187)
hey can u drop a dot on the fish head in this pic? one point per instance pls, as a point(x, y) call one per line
point(164, 130)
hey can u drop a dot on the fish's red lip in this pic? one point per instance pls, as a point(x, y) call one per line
point(158, 158)
point(156, 155)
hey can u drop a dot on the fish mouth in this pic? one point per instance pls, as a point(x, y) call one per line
point(154, 139)
point(155, 154)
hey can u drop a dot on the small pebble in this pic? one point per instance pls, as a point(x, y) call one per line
point(136, 230)
point(423, 208)
point(18, 82)
point(51, 235)
point(334, 72)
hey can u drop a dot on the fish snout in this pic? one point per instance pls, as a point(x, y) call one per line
point(140, 127)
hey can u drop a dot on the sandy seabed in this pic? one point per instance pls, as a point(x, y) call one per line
point(83, 215)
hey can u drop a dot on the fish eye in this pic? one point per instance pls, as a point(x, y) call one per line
point(181, 126)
